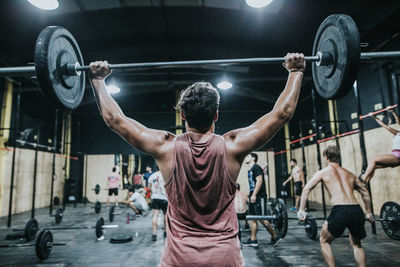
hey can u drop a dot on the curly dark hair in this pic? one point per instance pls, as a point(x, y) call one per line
point(199, 104)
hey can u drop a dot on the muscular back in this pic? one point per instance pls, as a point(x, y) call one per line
point(340, 184)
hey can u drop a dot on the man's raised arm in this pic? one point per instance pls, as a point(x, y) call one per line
point(242, 141)
point(145, 139)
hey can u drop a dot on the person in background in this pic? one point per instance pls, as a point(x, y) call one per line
point(298, 177)
point(146, 177)
point(126, 182)
point(258, 201)
point(386, 160)
point(137, 181)
point(158, 201)
point(136, 202)
point(241, 200)
point(113, 185)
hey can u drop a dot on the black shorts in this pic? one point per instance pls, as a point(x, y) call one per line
point(298, 188)
point(259, 207)
point(347, 216)
point(159, 204)
point(241, 216)
point(113, 191)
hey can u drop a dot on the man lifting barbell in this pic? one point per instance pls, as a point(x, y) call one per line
point(346, 212)
point(203, 230)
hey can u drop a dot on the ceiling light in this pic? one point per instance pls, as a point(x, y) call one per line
point(258, 3)
point(45, 4)
point(224, 85)
point(112, 89)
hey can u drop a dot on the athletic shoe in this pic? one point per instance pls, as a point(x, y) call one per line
point(274, 241)
point(154, 237)
point(293, 208)
point(251, 243)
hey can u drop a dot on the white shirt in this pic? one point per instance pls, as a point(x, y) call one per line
point(396, 142)
point(139, 199)
point(157, 186)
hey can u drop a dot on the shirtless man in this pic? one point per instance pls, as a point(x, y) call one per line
point(200, 168)
point(346, 211)
point(298, 177)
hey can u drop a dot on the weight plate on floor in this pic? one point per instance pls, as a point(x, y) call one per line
point(281, 222)
point(390, 215)
point(99, 229)
point(56, 201)
point(44, 244)
point(97, 207)
point(338, 35)
point(97, 189)
point(56, 47)
point(59, 215)
point(111, 214)
point(31, 229)
point(121, 238)
point(311, 228)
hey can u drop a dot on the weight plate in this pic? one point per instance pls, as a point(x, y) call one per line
point(339, 36)
point(97, 207)
point(281, 222)
point(111, 214)
point(97, 189)
point(390, 215)
point(59, 215)
point(56, 201)
point(44, 244)
point(99, 229)
point(31, 229)
point(121, 238)
point(55, 47)
point(312, 229)
point(281, 203)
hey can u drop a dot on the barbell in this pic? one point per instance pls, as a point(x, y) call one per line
point(43, 245)
point(60, 69)
point(389, 218)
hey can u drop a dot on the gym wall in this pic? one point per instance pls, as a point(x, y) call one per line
point(23, 180)
point(384, 185)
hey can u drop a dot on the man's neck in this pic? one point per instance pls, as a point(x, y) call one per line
point(333, 164)
point(194, 130)
point(251, 164)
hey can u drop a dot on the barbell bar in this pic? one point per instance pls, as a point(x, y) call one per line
point(60, 69)
point(75, 69)
point(43, 245)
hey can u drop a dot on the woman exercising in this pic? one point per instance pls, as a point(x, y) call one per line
point(386, 160)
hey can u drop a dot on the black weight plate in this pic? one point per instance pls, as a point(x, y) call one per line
point(121, 238)
point(99, 229)
point(59, 215)
point(97, 189)
point(31, 229)
point(44, 244)
point(312, 231)
point(97, 207)
point(111, 214)
point(390, 215)
point(338, 35)
point(55, 47)
point(56, 201)
point(281, 222)
point(281, 203)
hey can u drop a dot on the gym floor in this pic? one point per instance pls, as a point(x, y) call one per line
point(82, 249)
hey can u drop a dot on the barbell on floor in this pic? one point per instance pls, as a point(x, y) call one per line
point(60, 68)
point(389, 218)
point(43, 245)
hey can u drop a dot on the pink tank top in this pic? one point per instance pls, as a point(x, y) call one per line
point(202, 227)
